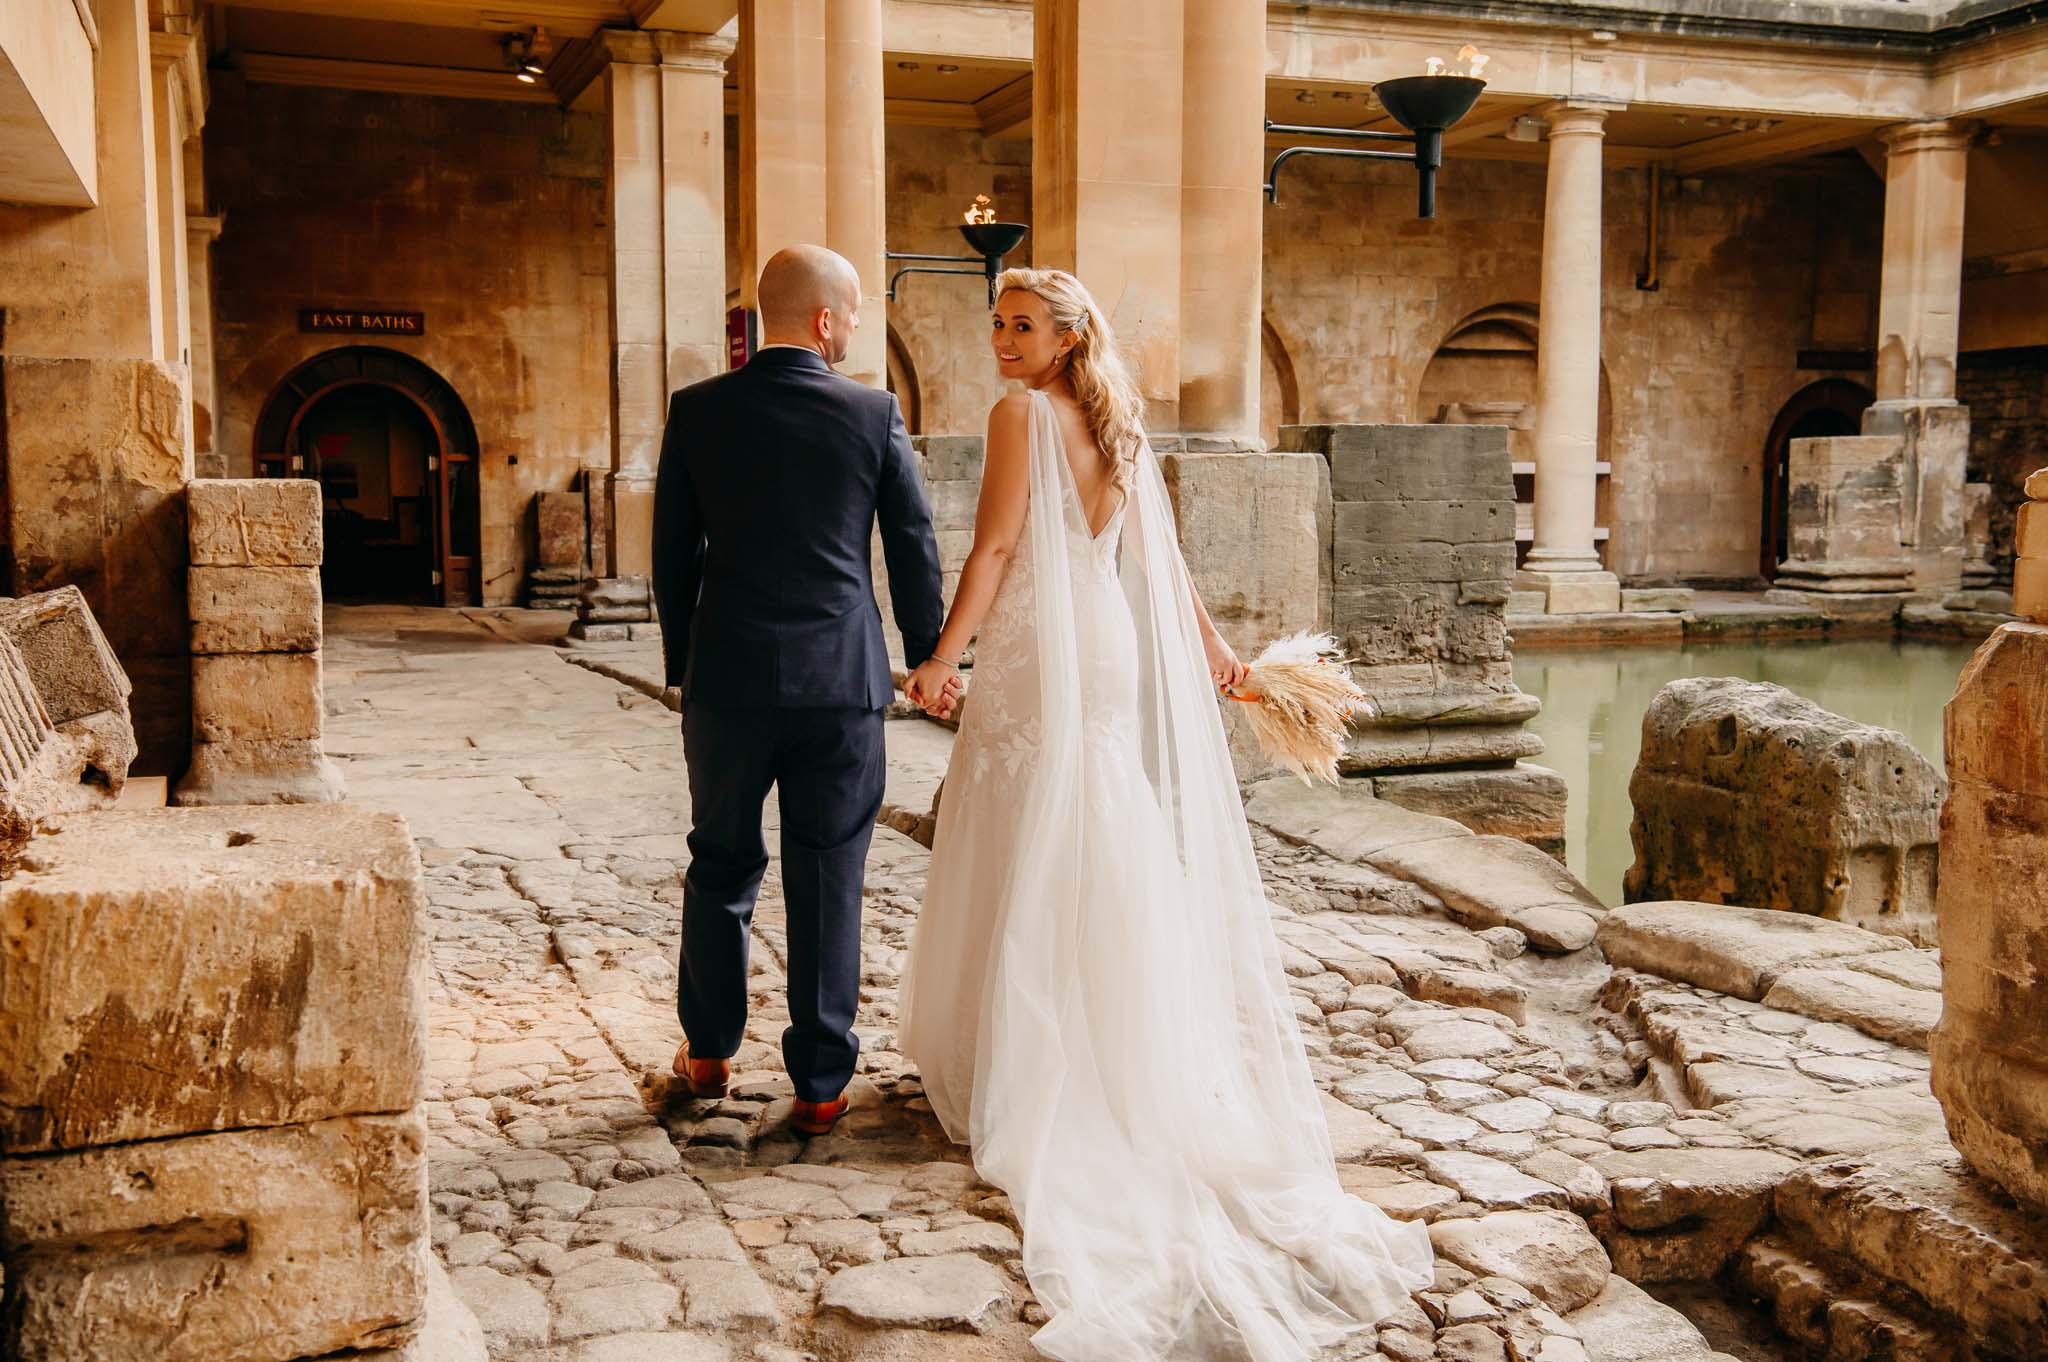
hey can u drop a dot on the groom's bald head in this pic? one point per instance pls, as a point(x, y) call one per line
point(809, 296)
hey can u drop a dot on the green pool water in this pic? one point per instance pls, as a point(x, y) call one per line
point(1594, 699)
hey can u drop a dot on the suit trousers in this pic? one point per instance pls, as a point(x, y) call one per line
point(828, 766)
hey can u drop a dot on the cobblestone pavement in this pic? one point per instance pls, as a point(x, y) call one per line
point(587, 1215)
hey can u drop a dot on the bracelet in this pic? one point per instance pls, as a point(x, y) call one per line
point(952, 666)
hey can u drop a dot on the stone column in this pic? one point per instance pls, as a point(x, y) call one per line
point(783, 82)
point(1919, 302)
point(1106, 172)
point(857, 179)
point(664, 125)
point(201, 231)
point(96, 454)
point(1222, 221)
point(1564, 563)
point(177, 112)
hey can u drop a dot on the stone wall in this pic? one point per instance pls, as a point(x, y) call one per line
point(1417, 524)
point(1748, 794)
point(940, 323)
point(2007, 394)
point(1752, 268)
point(487, 217)
point(221, 1013)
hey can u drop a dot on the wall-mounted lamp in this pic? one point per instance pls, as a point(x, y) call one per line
point(991, 241)
point(1425, 105)
point(526, 55)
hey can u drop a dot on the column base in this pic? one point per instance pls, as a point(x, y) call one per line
point(259, 771)
point(1596, 592)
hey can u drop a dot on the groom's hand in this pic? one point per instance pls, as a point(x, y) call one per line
point(933, 687)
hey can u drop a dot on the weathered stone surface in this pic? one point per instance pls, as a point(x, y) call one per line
point(1500, 882)
point(1345, 820)
point(254, 522)
point(558, 527)
point(1473, 988)
point(1524, 802)
point(1550, 1252)
point(171, 971)
point(241, 771)
point(1732, 950)
point(1680, 1214)
point(1846, 508)
point(70, 737)
point(956, 1291)
point(1747, 793)
point(1624, 1324)
point(1930, 1228)
point(1990, 1052)
point(254, 609)
point(261, 697)
point(1872, 1004)
point(245, 1246)
point(1491, 1183)
point(510, 1310)
point(1420, 549)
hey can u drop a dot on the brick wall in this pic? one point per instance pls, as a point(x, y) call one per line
point(2007, 393)
point(487, 217)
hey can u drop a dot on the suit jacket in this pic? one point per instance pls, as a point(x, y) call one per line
point(772, 479)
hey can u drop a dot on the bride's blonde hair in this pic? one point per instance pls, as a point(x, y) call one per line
point(1108, 395)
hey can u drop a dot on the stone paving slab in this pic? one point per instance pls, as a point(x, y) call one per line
point(583, 1210)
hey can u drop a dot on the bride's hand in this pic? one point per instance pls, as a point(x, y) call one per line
point(1224, 668)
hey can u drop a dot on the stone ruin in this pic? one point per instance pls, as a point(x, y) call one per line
point(560, 567)
point(1748, 794)
point(211, 1020)
point(1845, 528)
point(1990, 1051)
point(254, 602)
point(1419, 554)
point(66, 739)
point(2030, 565)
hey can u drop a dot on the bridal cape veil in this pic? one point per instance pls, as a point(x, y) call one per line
point(1095, 996)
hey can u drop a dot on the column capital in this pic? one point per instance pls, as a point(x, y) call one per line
point(705, 52)
point(626, 46)
point(1579, 117)
point(205, 225)
point(1942, 134)
point(174, 57)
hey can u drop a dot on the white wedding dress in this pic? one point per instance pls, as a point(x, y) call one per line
point(1094, 996)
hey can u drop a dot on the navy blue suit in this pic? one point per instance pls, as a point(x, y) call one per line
point(772, 480)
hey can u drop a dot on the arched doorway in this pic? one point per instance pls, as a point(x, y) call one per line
point(902, 381)
point(1833, 406)
point(395, 453)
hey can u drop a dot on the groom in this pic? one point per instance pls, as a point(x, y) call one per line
point(772, 479)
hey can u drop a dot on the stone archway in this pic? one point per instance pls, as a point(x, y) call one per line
point(1279, 390)
point(394, 448)
point(1832, 406)
point(902, 376)
point(1483, 373)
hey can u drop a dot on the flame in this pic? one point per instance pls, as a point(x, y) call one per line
point(982, 212)
point(1471, 58)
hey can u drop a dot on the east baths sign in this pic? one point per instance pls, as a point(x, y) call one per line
point(363, 323)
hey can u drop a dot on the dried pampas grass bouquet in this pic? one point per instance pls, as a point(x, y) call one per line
point(1301, 700)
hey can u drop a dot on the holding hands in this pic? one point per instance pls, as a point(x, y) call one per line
point(934, 687)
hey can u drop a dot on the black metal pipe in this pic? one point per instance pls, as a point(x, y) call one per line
point(1349, 153)
point(1429, 158)
point(1304, 130)
point(951, 259)
point(927, 269)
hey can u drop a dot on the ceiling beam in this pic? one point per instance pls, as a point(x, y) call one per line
point(389, 78)
point(1006, 109)
point(1760, 148)
point(685, 16)
point(565, 18)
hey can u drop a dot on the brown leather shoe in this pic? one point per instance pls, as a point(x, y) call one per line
point(817, 1118)
point(705, 1078)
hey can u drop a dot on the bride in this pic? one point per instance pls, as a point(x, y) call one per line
point(1094, 996)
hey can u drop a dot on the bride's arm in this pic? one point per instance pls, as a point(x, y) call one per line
point(998, 521)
